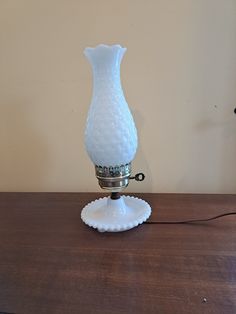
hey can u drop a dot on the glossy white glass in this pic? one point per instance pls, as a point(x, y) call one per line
point(111, 141)
point(110, 135)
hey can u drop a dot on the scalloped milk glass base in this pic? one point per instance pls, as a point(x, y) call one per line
point(118, 215)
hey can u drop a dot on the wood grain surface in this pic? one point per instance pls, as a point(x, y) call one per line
point(50, 262)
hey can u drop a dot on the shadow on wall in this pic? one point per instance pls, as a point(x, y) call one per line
point(24, 158)
point(140, 163)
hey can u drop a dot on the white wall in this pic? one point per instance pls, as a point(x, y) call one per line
point(179, 76)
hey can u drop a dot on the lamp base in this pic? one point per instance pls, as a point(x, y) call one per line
point(115, 215)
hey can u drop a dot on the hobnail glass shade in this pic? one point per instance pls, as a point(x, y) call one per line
point(111, 142)
point(110, 134)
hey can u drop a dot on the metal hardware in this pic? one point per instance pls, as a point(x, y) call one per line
point(116, 178)
point(113, 178)
point(138, 177)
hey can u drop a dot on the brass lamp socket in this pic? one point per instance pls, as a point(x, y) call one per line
point(113, 178)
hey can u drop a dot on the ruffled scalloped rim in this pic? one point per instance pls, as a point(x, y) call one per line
point(104, 46)
point(94, 54)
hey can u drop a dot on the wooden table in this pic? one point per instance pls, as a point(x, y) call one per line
point(50, 262)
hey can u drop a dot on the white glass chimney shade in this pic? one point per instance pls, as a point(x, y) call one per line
point(111, 142)
point(110, 134)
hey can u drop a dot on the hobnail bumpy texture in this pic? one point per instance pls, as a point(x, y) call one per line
point(110, 135)
point(97, 214)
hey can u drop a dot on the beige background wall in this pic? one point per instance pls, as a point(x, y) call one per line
point(179, 76)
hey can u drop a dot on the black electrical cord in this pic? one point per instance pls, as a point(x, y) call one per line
point(191, 221)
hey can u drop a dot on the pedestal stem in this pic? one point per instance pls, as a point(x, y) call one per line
point(115, 195)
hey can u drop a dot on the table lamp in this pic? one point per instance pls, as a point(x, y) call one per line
point(111, 142)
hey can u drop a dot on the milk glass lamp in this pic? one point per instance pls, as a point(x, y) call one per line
point(111, 142)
